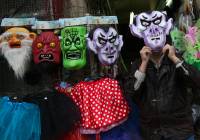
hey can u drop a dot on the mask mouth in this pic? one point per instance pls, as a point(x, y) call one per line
point(15, 45)
point(46, 57)
point(110, 56)
point(155, 38)
point(72, 55)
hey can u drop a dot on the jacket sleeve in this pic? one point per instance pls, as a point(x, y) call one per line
point(189, 74)
point(133, 82)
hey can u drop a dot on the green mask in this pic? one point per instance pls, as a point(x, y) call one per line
point(73, 47)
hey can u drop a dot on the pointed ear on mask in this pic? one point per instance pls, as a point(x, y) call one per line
point(90, 45)
point(169, 25)
point(164, 12)
point(121, 43)
point(135, 31)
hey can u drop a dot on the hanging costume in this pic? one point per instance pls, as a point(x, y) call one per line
point(59, 113)
point(19, 119)
point(103, 106)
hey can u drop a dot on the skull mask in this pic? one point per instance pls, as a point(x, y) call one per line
point(153, 28)
point(106, 43)
point(73, 47)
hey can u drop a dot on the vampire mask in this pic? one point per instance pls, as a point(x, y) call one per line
point(153, 28)
point(15, 45)
point(106, 43)
point(46, 48)
point(73, 47)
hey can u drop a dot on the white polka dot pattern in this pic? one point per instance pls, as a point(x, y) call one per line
point(101, 103)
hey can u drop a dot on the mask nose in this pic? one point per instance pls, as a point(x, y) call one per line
point(45, 49)
point(14, 42)
point(109, 49)
point(153, 30)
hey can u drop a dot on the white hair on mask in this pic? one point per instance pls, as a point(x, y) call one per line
point(18, 58)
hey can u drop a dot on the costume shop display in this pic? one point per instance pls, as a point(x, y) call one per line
point(73, 47)
point(106, 43)
point(188, 44)
point(103, 106)
point(152, 27)
point(19, 118)
point(59, 113)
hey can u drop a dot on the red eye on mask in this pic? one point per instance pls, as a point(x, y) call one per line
point(39, 45)
point(52, 45)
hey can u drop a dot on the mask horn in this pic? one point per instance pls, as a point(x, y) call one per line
point(56, 31)
point(39, 32)
point(132, 16)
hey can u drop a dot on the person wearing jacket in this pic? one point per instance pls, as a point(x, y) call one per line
point(158, 83)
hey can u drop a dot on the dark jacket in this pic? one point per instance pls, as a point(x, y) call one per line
point(163, 100)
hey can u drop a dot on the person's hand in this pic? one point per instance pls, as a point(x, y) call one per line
point(170, 52)
point(145, 54)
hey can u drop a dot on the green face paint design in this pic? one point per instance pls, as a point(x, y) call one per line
point(73, 47)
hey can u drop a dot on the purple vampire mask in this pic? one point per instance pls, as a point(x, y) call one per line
point(106, 43)
point(153, 28)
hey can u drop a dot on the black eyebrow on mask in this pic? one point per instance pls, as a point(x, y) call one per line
point(144, 17)
point(102, 35)
point(111, 34)
point(154, 16)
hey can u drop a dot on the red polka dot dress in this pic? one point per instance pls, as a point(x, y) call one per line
point(101, 103)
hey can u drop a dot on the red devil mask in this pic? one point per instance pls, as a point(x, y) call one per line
point(46, 48)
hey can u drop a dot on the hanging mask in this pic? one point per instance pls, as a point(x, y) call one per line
point(192, 54)
point(188, 44)
point(178, 39)
point(46, 48)
point(15, 45)
point(106, 43)
point(73, 47)
point(153, 28)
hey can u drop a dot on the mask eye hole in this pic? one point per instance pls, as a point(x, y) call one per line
point(112, 40)
point(20, 37)
point(102, 41)
point(39, 45)
point(67, 42)
point(7, 37)
point(145, 23)
point(52, 45)
point(157, 21)
point(77, 41)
